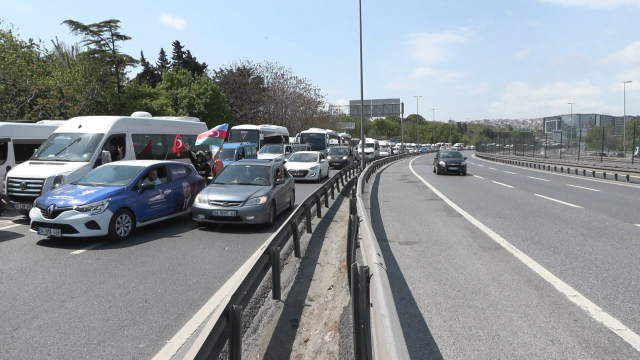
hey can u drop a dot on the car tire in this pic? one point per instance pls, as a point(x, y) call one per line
point(292, 200)
point(272, 215)
point(121, 226)
point(463, 173)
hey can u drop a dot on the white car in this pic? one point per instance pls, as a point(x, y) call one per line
point(307, 165)
point(277, 152)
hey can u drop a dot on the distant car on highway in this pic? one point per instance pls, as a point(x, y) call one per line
point(617, 155)
point(301, 147)
point(116, 198)
point(246, 191)
point(237, 151)
point(422, 150)
point(449, 161)
point(276, 152)
point(599, 153)
point(308, 165)
point(340, 156)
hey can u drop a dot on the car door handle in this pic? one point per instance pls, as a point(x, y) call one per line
point(167, 192)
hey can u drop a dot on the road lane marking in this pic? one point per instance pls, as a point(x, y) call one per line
point(90, 247)
point(580, 187)
point(479, 177)
point(558, 201)
point(9, 226)
point(509, 172)
point(509, 186)
point(492, 169)
point(481, 165)
point(531, 177)
point(570, 293)
point(637, 224)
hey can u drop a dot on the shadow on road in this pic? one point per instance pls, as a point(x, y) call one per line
point(420, 342)
point(6, 235)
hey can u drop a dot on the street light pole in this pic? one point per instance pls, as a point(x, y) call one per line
point(624, 118)
point(417, 121)
point(571, 131)
point(434, 125)
point(362, 139)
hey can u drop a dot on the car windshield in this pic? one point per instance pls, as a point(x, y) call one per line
point(338, 151)
point(110, 175)
point(272, 149)
point(228, 154)
point(76, 147)
point(450, 155)
point(306, 158)
point(369, 145)
point(300, 147)
point(257, 175)
point(317, 141)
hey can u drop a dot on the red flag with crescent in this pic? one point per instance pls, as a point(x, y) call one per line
point(178, 145)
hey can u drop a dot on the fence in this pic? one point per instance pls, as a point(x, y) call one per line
point(225, 324)
point(598, 143)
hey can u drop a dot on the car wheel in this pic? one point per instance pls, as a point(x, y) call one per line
point(292, 201)
point(272, 215)
point(434, 168)
point(121, 226)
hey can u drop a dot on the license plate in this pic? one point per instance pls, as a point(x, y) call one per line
point(23, 206)
point(50, 232)
point(453, 168)
point(223, 213)
point(335, 164)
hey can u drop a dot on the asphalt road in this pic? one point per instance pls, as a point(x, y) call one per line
point(461, 294)
point(113, 301)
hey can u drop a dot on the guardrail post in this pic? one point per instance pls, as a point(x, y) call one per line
point(627, 177)
point(355, 313)
point(593, 173)
point(350, 249)
point(353, 210)
point(318, 206)
point(274, 259)
point(584, 172)
point(568, 170)
point(561, 169)
point(307, 213)
point(296, 238)
point(365, 315)
point(353, 192)
point(332, 185)
point(337, 185)
point(615, 176)
point(234, 329)
point(604, 175)
point(555, 168)
point(326, 197)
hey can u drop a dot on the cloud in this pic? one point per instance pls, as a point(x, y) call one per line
point(521, 53)
point(594, 4)
point(174, 22)
point(434, 47)
point(522, 100)
point(630, 55)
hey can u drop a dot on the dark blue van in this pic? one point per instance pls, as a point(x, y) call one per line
point(237, 151)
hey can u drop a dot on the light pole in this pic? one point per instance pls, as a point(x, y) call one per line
point(434, 125)
point(624, 118)
point(362, 139)
point(571, 128)
point(417, 120)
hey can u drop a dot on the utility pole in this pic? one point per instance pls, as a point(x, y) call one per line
point(434, 125)
point(571, 128)
point(362, 138)
point(417, 120)
point(624, 118)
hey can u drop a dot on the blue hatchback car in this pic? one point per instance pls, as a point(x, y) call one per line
point(237, 151)
point(115, 198)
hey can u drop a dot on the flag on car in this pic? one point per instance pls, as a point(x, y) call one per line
point(146, 152)
point(178, 145)
point(214, 136)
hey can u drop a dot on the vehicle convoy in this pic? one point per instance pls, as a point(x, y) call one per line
point(319, 139)
point(116, 198)
point(308, 165)
point(275, 152)
point(449, 161)
point(231, 152)
point(86, 142)
point(18, 142)
point(371, 148)
point(340, 156)
point(260, 135)
point(246, 191)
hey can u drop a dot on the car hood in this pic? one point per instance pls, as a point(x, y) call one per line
point(72, 195)
point(44, 169)
point(234, 192)
point(299, 165)
point(269, 156)
point(225, 163)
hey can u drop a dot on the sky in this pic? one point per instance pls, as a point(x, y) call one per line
point(467, 58)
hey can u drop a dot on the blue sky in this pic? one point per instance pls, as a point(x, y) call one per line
point(468, 59)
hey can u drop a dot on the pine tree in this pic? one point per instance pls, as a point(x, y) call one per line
point(163, 62)
point(147, 75)
point(177, 56)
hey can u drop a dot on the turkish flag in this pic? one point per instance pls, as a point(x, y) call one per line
point(178, 145)
point(146, 151)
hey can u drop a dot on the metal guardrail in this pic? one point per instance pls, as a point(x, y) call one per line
point(376, 325)
point(225, 324)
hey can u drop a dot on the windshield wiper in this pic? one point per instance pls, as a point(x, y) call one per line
point(66, 147)
point(219, 183)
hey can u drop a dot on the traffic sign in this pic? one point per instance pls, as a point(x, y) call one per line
point(348, 125)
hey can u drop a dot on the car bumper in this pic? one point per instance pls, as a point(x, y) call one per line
point(201, 213)
point(311, 175)
point(73, 223)
point(448, 169)
point(338, 163)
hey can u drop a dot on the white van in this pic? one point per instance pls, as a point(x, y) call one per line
point(371, 148)
point(83, 143)
point(18, 142)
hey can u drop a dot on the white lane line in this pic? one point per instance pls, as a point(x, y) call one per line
point(479, 177)
point(531, 177)
point(481, 165)
point(509, 186)
point(580, 187)
point(572, 295)
point(9, 226)
point(91, 247)
point(637, 224)
point(492, 169)
point(509, 172)
point(558, 201)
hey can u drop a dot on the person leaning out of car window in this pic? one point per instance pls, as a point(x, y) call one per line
point(200, 163)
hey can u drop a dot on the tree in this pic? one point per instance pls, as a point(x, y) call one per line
point(163, 63)
point(177, 56)
point(103, 42)
point(148, 74)
point(510, 128)
point(192, 64)
point(244, 90)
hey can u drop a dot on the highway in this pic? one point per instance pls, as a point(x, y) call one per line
point(509, 262)
point(84, 298)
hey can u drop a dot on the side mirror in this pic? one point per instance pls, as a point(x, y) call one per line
point(323, 161)
point(465, 158)
point(145, 187)
point(105, 156)
point(280, 181)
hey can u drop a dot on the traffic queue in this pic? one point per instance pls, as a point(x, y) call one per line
point(108, 175)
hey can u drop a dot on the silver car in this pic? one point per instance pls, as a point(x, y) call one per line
point(246, 192)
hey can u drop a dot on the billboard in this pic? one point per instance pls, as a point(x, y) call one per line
point(376, 108)
point(347, 125)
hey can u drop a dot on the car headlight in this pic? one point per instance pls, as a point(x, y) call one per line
point(256, 201)
point(442, 163)
point(344, 158)
point(94, 208)
point(464, 163)
point(202, 199)
point(57, 182)
point(329, 157)
point(314, 167)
